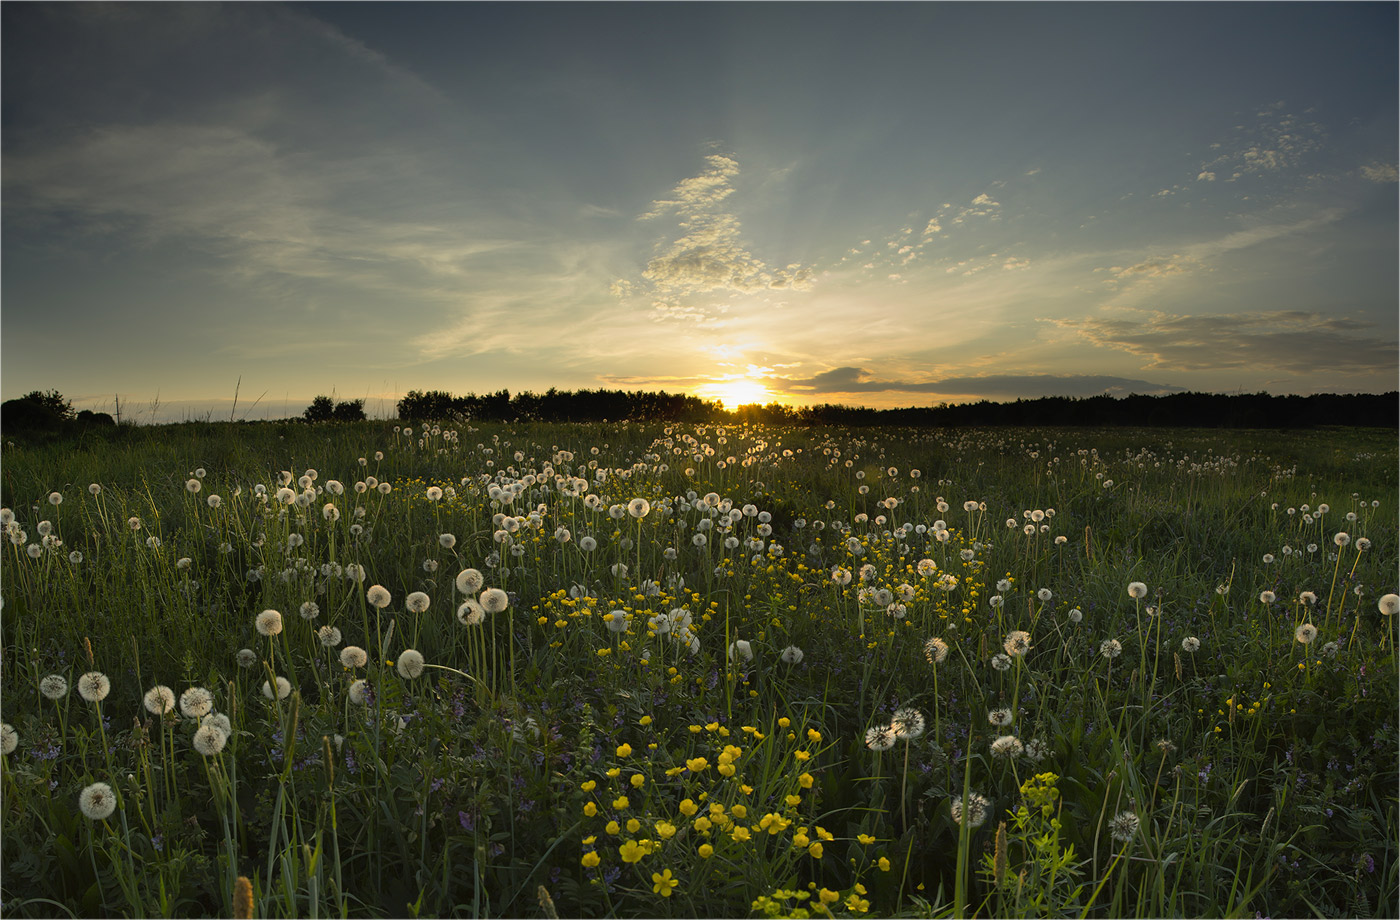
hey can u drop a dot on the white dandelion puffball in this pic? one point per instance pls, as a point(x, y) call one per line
point(879, 738)
point(352, 656)
point(97, 802)
point(417, 602)
point(309, 610)
point(1307, 597)
point(329, 636)
point(907, 724)
point(1110, 648)
point(1000, 717)
point(378, 596)
point(1001, 661)
point(159, 700)
point(587, 544)
point(196, 702)
point(219, 721)
point(469, 581)
point(1137, 590)
point(1389, 604)
point(269, 622)
point(638, 508)
point(740, 650)
point(54, 687)
point(1190, 644)
point(1044, 594)
point(284, 688)
point(9, 738)
point(247, 658)
point(359, 692)
point(192, 486)
point(447, 540)
point(1007, 746)
point(94, 686)
point(935, 650)
point(1124, 826)
point(209, 740)
point(434, 493)
point(410, 664)
point(615, 621)
point(1267, 597)
point(55, 498)
point(1018, 642)
point(494, 600)
point(974, 810)
point(1305, 633)
point(1075, 615)
point(469, 613)
point(792, 655)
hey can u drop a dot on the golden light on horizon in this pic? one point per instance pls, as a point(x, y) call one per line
point(739, 391)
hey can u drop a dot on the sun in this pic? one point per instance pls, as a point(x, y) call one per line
point(741, 391)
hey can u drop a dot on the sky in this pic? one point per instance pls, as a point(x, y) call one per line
point(865, 203)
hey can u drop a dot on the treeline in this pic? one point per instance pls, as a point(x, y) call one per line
point(560, 406)
point(1179, 410)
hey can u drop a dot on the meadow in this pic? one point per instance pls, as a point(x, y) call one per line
point(717, 670)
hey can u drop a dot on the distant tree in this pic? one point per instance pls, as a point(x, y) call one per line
point(322, 409)
point(36, 411)
point(95, 419)
point(350, 411)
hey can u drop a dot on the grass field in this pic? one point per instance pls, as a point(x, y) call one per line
point(647, 670)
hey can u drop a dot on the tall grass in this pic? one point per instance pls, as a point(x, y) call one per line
point(667, 725)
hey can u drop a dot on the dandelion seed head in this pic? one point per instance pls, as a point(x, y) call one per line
point(209, 740)
point(97, 802)
point(494, 600)
point(269, 623)
point(196, 702)
point(1305, 633)
point(1389, 604)
point(378, 596)
point(352, 656)
point(417, 602)
point(9, 738)
point(410, 664)
point(1017, 643)
point(247, 658)
point(907, 724)
point(1190, 644)
point(935, 650)
point(1110, 648)
point(1137, 590)
point(1124, 826)
point(284, 688)
point(973, 811)
point(879, 738)
point(159, 700)
point(1000, 717)
point(1007, 746)
point(54, 687)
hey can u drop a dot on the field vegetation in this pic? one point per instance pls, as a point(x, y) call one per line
point(699, 670)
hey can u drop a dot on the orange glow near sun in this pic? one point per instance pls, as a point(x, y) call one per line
point(740, 391)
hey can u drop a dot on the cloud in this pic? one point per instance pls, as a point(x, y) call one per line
point(711, 255)
point(1274, 141)
point(1380, 172)
point(1294, 340)
point(1161, 267)
point(857, 380)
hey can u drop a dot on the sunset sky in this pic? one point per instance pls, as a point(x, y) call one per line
point(874, 204)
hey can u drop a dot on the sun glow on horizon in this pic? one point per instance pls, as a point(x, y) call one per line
point(739, 391)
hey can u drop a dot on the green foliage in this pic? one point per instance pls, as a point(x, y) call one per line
point(1253, 775)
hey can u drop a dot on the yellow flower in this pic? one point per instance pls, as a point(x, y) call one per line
point(637, 780)
point(801, 755)
point(644, 720)
point(793, 800)
point(613, 827)
point(624, 750)
point(884, 864)
point(613, 772)
point(703, 824)
point(588, 786)
point(828, 896)
point(688, 807)
point(784, 722)
point(633, 825)
point(697, 764)
point(740, 810)
point(726, 769)
point(590, 840)
point(824, 834)
point(805, 780)
point(813, 735)
point(694, 729)
point(662, 883)
point(665, 830)
point(621, 802)
point(865, 838)
point(746, 789)
point(631, 851)
point(740, 833)
point(713, 726)
point(800, 840)
point(590, 809)
point(590, 859)
point(705, 851)
point(816, 850)
point(857, 905)
point(716, 808)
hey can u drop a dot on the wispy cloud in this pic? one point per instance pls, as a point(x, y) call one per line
point(1269, 141)
point(710, 255)
point(858, 381)
point(1380, 172)
point(1296, 341)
